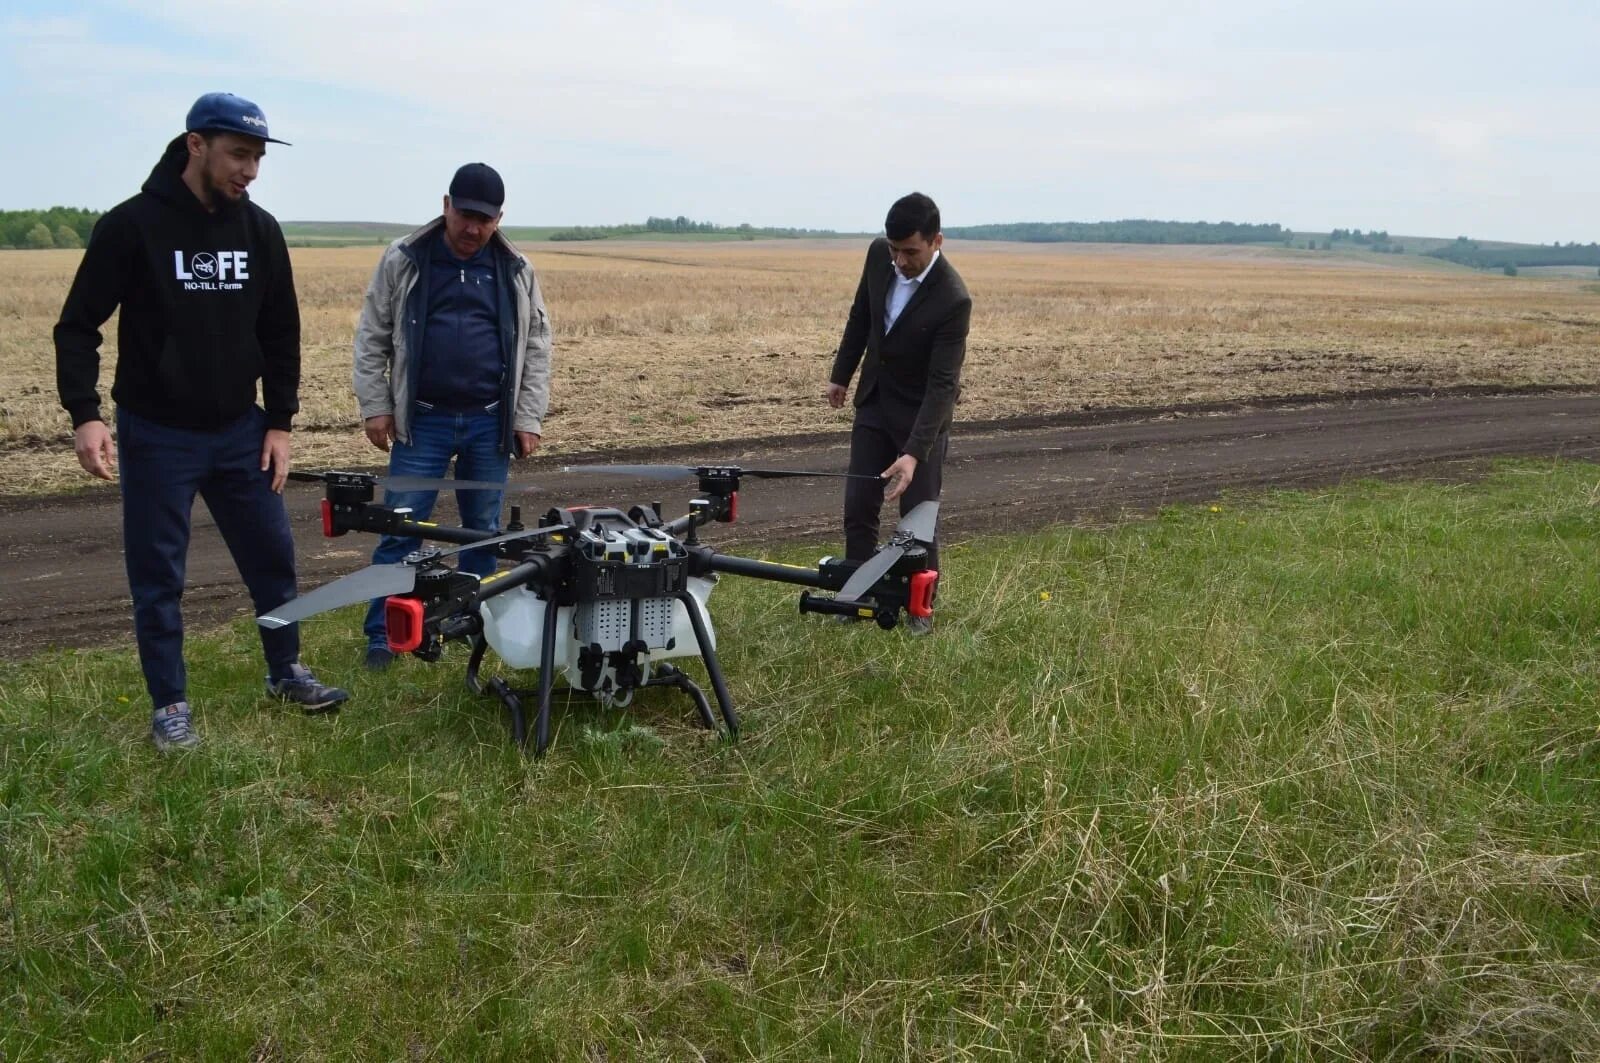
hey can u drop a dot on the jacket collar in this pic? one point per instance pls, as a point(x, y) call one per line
point(414, 244)
point(935, 275)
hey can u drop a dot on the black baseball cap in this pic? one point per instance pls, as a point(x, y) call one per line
point(476, 187)
point(223, 112)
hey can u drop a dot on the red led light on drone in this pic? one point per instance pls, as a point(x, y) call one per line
point(403, 618)
point(922, 587)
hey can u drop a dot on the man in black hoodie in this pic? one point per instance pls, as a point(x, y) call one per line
point(208, 308)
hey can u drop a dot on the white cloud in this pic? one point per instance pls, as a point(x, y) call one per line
point(792, 113)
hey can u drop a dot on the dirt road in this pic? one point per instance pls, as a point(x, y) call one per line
point(62, 581)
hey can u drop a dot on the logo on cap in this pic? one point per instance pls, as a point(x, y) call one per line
point(223, 112)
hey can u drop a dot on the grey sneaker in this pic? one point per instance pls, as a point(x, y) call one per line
point(169, 728)
point(919, 625)
point(303, 689)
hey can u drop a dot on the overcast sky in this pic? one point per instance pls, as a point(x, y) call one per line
point(1432, 117)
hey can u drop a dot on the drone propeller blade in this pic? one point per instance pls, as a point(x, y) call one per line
point(419, 483)
point(871, 571)
point(426, 483)
point(918, 524)
point(921, 522)
point(530, 533)
point(375, 581)
point(779, 474)
point(683, 472)
point(641, 472)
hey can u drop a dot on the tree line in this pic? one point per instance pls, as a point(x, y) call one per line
point(1471, 253)
point(55, 227)
point(1126, 231)
point(1374, 240)
point(683, 225)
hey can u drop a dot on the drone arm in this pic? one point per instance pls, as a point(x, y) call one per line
point(710, 560)
point(714, 506)
point(385, 521)
point(538, 571)
point(453, 613)
point(905, 585)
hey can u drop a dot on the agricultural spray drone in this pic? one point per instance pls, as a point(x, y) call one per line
point(606, 598)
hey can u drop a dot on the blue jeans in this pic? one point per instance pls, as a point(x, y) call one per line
point(162, 469)
point(473, 439)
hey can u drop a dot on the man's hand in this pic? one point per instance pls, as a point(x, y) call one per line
point(527, 443)
point(96, 451)
point(275, 456)
point(835, 394)
point(898, 476)
point(380, 431)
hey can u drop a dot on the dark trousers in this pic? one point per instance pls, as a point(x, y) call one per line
point(876, 439)
point(162, 469)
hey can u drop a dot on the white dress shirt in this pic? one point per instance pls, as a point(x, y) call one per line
point(904, 288)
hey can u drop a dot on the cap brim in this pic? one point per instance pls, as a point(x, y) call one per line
point(239, 133)
point(477, 206)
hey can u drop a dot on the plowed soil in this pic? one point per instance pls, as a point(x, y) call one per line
point(62, 582)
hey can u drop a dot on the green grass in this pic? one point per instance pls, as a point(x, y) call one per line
point(1294, 776)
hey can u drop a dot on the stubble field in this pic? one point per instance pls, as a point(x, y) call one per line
point(699, 343)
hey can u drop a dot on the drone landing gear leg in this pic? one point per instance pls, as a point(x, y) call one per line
point(670, 676)
point(547, 680)
point(479, 646)
point(708, 653)
point(500, 689)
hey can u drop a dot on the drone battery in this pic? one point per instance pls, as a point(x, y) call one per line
point(629, 563)
point(609, 625)
point(622, 569)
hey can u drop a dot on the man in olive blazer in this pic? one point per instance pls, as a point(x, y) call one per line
point(907, 332)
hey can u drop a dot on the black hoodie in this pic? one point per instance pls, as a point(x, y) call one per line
point(208, 308)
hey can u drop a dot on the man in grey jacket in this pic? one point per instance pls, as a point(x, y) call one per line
point(452, 360)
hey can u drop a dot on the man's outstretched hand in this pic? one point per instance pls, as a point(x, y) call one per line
point(898, 477)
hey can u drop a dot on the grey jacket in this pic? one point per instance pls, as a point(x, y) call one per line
point(389, 337)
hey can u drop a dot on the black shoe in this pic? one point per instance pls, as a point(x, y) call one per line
point(305, 690)
point(379, 658)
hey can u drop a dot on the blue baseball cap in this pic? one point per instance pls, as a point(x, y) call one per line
point(223, 112)
point(477, 187)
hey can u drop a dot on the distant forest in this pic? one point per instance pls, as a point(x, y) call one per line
point(1128, 231)
point(56, 227)
point(1471, 253)
point(682, 226)
point(69, 227)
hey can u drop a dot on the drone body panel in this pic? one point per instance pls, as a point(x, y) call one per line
point(514, 621)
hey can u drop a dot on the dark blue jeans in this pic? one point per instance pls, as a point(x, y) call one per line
point(162, 469)
point(473, 439)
